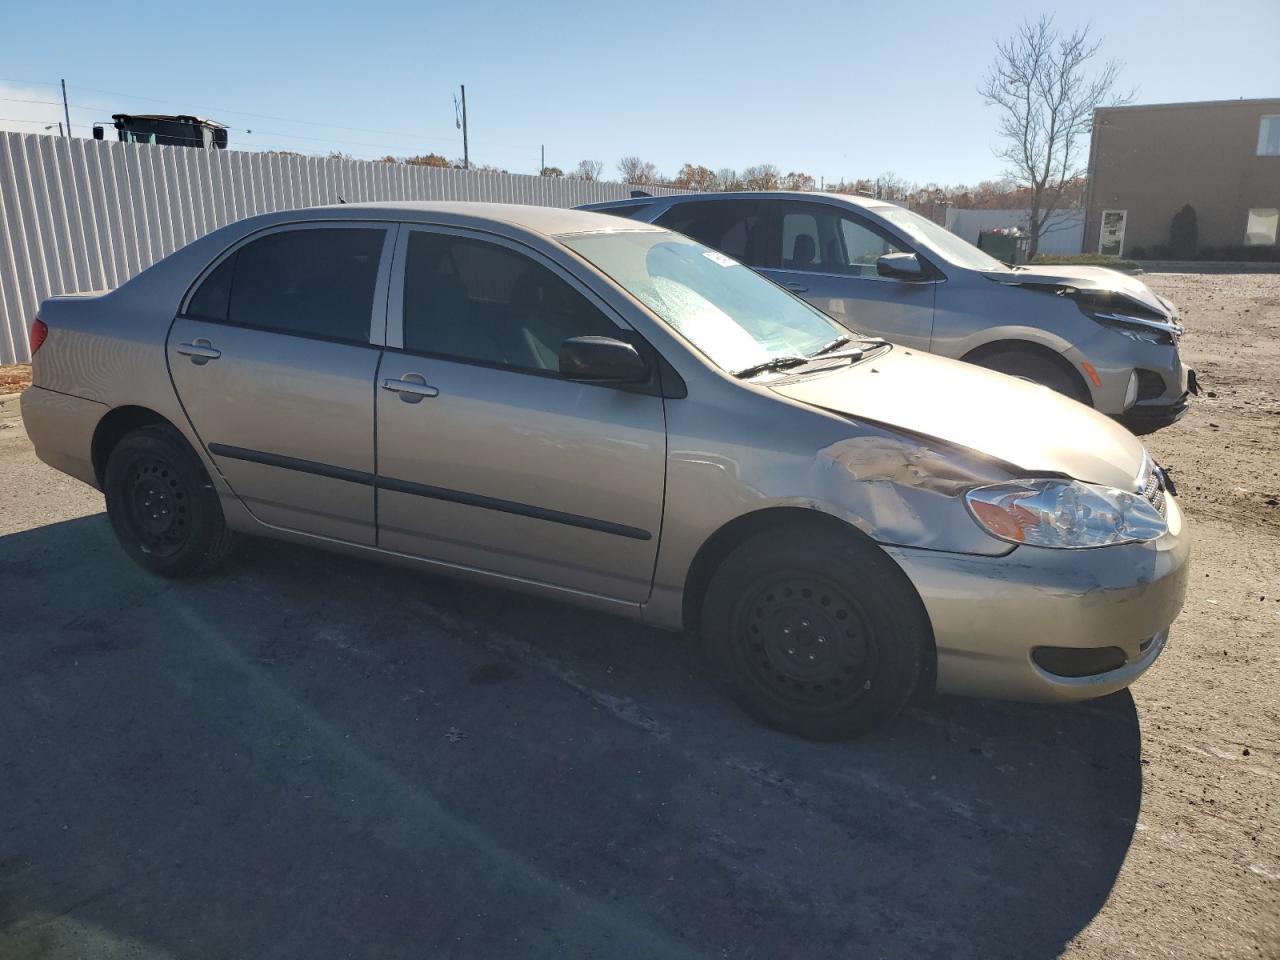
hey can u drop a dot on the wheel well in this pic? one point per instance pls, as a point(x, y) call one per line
point(979, 354)
point(725, 540)
point(112, 428)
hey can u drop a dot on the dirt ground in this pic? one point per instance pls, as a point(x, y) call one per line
point(312, 756)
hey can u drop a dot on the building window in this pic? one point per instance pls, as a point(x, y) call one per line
point(1269, 136)
point(1261, 231)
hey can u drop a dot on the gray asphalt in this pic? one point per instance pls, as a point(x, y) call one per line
point(310, 756)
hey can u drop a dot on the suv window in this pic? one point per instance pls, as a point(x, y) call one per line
point(816, 238)
point(478, 301)
point(308, 282)
point(734, 227)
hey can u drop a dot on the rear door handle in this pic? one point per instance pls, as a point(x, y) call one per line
point(795, 287)
point(412, 387)
point(200, 350)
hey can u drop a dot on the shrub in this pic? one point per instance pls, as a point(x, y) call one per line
point(1084, 260)
point(1184, 233)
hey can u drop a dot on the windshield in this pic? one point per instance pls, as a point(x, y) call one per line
point(940, 240)
point(729, 312)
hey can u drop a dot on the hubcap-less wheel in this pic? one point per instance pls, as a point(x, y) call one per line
point(156, 502)
point(809, 645)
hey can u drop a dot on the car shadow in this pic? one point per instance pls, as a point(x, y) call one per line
point(314, 755)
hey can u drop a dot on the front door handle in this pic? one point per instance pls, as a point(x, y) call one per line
point(412, 387)
point(795, 287)
point(200, 350)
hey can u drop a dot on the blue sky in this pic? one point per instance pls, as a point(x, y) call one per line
point(834, 89)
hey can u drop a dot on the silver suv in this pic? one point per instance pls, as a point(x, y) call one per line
point(1093, 334)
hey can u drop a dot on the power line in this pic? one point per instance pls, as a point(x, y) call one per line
point(259, 116)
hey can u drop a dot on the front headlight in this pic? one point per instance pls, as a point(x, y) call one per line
point(1141, 329)
point(1064, 514)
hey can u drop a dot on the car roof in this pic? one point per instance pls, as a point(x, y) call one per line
point(849, 198)
point(549, 221)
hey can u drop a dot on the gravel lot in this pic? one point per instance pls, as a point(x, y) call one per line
point(307, 756)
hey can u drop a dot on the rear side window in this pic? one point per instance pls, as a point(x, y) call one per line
point(312, 283)
point(477, 301)
point(734, 227)
point(214, 295)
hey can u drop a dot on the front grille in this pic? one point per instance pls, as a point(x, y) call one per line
point(1153, 487)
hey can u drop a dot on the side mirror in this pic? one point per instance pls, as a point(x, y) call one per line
point(97, 132)
point(900, 266)
point(602, 360)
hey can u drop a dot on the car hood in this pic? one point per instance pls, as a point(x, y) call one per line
point(1091, 282)
point(1025, 425)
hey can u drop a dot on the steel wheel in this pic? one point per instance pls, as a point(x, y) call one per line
point(811, 647)
point(156, 506)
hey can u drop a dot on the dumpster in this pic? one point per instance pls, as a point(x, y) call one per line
point(1006, 244)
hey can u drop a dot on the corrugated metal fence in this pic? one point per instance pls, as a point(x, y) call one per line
point(87, 214)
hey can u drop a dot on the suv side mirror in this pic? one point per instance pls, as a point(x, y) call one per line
point(602, 360)
point(900, 266)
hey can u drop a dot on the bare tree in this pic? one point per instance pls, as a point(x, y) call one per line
point(763, 177)
point(588, 170)
point(727, 179)
point(890, 186)
point(798, 181)
point(694, 176)
point(1042, 82)
point(635, 170)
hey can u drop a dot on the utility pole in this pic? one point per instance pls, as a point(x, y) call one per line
point(544, 160)
point(466, 156)
point(66, 112)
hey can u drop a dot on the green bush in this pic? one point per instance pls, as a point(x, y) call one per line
point(1085, 260)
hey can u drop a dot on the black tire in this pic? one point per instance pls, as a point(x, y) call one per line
point(819, 633)
point(162, 507)
point(1029, 365)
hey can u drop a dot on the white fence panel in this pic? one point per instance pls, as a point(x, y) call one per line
point(81, 214)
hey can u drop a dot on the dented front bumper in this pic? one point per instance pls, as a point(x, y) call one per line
point(990, 613)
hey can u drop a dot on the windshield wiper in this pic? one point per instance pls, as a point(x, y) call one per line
point(835, 344)
point(777, 363)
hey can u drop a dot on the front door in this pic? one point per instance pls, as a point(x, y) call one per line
point(828, 257)
point(274, 358)
point(487, 458)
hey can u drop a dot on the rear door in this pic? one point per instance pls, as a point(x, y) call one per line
point(274, 357)
point(487, 458)
point(828, 256)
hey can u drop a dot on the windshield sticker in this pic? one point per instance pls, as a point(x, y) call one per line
point(719, 258)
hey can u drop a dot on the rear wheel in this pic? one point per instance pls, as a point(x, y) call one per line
point(819, 633)
point(161, 505)
point(1028, 365)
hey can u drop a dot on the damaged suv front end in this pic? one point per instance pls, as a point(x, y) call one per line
point(1131, 358)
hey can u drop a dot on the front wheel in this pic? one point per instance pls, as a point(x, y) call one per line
point(819, 632)
point(161, 505)
point(1027, 365)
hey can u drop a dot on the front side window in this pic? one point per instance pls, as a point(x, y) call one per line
point(307, 282)
point(727, 311)
point(819, 239)
point(482, 302)
point(1269, 136)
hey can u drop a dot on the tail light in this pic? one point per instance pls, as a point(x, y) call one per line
point(39, 331)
